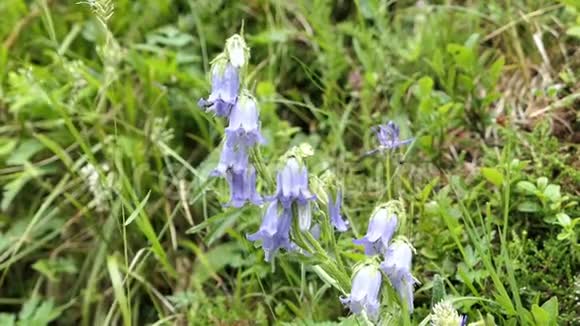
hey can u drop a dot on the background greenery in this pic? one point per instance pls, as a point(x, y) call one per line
point(491, 90)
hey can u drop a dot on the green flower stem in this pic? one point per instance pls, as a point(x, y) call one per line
point(389, 177)
point(258, 160)
point(306, 241)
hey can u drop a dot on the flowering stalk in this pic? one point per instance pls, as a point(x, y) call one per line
point(388, 174)
point(306, 241)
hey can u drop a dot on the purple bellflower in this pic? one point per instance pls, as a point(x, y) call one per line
point(225, 84)
point(364, 294)
point(243, 187)
point(388, 137)
point(232, 157)
point(334, 207)
point(292, 184)
point(382, 226)
point(397, 266)
point(274, 231)
point(244, 127)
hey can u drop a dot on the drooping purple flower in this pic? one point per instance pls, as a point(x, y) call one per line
point(274, 231)
point(397, 266)
point(334, 207)
point(382, 226)
point(225, 84)
point(463, 320)
point(292, 184)
point(364, 294)
point(388, 137)
point(243, 187)
point(232, 157)
point(244, 126)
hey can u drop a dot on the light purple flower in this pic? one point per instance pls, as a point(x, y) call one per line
point(292, 184)
point(397, 266)
point(232, 157)
point(463, 320)
point(274, 231)
point(364, 294)
point(334, 207)
point(244, 126)
point(225, 84)
point(243, 187)
point(388, 137)
point(382, 226)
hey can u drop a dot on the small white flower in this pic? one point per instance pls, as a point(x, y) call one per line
point(444, 314)
point(98, 189)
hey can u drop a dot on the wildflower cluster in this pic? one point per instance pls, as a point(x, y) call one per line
point(293, 203)
point(229, 100)
point(396, 265)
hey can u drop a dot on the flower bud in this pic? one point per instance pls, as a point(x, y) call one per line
point(237, 51)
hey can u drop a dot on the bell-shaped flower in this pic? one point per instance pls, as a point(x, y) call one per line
point(274, 231)
point(334, 207)
point(244, 126)
point(292, 184)
point(364, 295)
point(388, 137)
point(382, 226)
point(243, 187)
point(397, 266)
point(232, 157)
point(225, 84)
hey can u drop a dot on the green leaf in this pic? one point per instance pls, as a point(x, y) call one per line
point(52, 268)
point(541, 317)
point(552, 192)
point(24, 152)
point(425, 86)
point(138, 209)
point(56, 149)
point(492, 175)
point(438, 291)
point(551, 306)
point(118, 289)
point(526, 187)
point(209, 263)
point(529, 207)
point(13, 188)
point(574, 31)
point(563, 219)
point(464, 56)
point(7, 145)
point(542, 182)
point(7, 319)
point(494, 72)
point(224, 225)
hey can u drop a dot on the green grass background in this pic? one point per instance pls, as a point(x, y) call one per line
point(490, 90)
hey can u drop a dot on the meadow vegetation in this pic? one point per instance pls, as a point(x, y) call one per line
point(110, 215)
